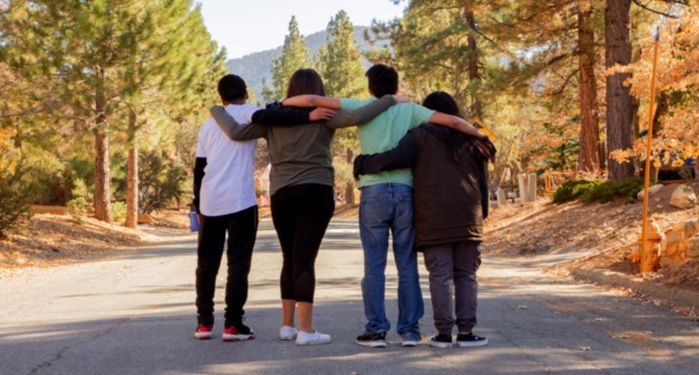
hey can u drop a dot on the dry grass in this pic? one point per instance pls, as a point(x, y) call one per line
point(608, 232)
point(52, 237)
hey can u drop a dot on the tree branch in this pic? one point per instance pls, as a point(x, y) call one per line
point(560, 90)
point(646, 7)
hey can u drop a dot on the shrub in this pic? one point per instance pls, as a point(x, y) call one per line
point(78, 168)
point(81, 203)
point(610, 190)
point(119, 212)
point(45, 173)
point(597, 191)
point(15, 200)
point(571, 190)
point(16, 190)
point(162, 181)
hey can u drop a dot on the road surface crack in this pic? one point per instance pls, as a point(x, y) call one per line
point(59, 355)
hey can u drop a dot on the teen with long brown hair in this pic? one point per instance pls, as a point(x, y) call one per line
point(301, 185)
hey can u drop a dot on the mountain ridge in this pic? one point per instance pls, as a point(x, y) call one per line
point(256, 67)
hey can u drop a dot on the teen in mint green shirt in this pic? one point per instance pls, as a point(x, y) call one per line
point(384, 132)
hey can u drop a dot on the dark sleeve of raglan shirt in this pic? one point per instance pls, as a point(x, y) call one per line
point(281, 116)
point(272, 115)
point(199, 166)
point(483, 184)
point(402, 156)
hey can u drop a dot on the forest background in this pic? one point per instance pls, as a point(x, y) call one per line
point(101, 101)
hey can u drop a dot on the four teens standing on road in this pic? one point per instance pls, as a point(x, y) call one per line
point(301, 185)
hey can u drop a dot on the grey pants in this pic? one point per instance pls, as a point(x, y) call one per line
point(452, 268)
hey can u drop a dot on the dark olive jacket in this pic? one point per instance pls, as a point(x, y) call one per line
point(449, 180)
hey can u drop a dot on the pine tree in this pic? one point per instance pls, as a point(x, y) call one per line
point(620, 104)
point(562, 34)
point(295, 55)
point(589, 159)
point(115, 67)
point(340, 60)
point(343, 74)
point(160, 75)
point(87, 44)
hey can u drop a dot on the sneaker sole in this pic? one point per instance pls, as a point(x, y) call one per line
point(475, 344)
point(409, 344)
point(371, 344)
point(287, 338)
point(312, 343)
point(203, 336)
point(234, 338)
point(441, 345)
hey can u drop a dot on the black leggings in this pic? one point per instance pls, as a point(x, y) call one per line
point(301, 214)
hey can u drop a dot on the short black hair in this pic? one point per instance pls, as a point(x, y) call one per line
point(440, 101)
point(383, 80)
point(231, 87)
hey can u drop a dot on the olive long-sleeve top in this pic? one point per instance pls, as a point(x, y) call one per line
point(300, 154)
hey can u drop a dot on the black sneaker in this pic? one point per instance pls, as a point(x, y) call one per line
point(373, 340)
point(238, 332)
point(469, 340)
point(441, 341)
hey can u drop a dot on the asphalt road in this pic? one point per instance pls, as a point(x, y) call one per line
point(134, 314)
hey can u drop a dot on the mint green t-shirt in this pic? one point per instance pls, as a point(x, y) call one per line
point(384, 132)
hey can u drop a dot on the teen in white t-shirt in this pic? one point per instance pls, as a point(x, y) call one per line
point(228, 184)
point(224, 194)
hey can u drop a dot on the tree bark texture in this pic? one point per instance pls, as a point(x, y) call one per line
point(474, 75)
point(620, 127)
point(132, 175)
point(589, 116)
point(102, 199)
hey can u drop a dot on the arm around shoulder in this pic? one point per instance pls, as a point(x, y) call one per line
point(362, 115)
point(456, 123)
point(233, 129)
point(402, 156)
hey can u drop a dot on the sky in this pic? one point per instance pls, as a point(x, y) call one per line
point(247, 26)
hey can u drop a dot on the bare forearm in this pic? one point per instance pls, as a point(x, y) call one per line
point(361, 115)
point(312, 101)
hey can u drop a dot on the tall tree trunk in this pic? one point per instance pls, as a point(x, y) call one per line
point(589, 117)
point(349, 188)
point(474, 76)
point(620, 127)
point(132, 174)
point(102, 204)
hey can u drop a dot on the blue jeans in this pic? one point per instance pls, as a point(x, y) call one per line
point(387, 207)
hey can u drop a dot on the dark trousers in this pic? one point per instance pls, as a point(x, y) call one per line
point(452, 268)
point(301, 214)
point(242, 229)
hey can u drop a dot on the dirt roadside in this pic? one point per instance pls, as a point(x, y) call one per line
point(594, 242)
point(53, 237)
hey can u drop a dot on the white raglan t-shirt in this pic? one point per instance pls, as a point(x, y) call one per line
point(228, 185)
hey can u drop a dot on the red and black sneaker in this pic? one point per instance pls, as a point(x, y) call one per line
point(204, 332)
point(238, 332)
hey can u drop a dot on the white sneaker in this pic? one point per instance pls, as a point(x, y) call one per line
point(287, 333)
point(315, 338)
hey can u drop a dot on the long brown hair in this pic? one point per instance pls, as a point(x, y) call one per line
point(305, 81)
